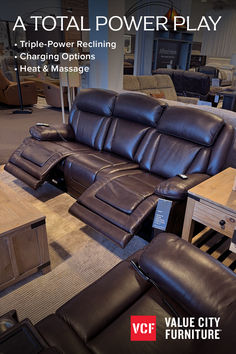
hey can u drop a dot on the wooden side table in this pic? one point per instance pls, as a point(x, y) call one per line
point(213, 204)
point(23, 239)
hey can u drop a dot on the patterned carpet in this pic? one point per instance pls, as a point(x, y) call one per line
point(78, 254)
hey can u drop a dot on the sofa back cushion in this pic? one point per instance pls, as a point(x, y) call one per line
point(96, 101)
point(187, 83)
point(134, 115)
point(196, 83)
point(139, 108)
point(183, 143)
point(165, 84)
point(176, 77)
point(131, 83)
point(191, 124)
point(151, 84)
point(90, 116)
point(124, 137)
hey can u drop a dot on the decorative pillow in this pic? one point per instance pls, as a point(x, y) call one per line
point(158, 95)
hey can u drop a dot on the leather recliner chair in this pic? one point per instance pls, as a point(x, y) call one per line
point(187, 283)
point(119, 154)
point(188, 83)
point(52, 95)
point(208, 70)
point(9, 92)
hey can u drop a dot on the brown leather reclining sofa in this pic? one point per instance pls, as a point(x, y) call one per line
point(119, 153)
point(190, 284)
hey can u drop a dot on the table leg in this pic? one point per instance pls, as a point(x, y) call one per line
point(187, 233)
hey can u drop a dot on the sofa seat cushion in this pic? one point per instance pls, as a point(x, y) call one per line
point(83, 168)
point(126, 192)
point(115, 338)
point(38, 159)
point(125, 210)
point(74, 146)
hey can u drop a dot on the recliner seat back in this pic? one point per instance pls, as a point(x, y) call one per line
point(188, 83)
point(184, 142)
point(163, 140)
point(90, 116)
point(132, 122)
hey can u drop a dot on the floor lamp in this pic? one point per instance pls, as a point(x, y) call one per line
point(23, 110)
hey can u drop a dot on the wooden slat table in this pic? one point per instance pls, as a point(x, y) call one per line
point(213, 204)
point(23, 239)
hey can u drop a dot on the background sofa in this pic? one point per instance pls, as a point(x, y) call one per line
point(156, 85)
point(188, 83)
point(226, 69)
point(119, 154)
point(189, 283)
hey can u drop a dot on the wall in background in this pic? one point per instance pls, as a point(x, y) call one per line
point(107, 70)
point(10, 9)
point(144, 40)
point(220, 43)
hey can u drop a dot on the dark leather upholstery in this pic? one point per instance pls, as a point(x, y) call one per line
point(97, 320)
point(188, 83)
point(208, 70)
point(120, 153)
point(52, 133)
point(144, 111)
point(176, 188)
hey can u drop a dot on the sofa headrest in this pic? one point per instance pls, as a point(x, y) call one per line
point(147, 82)
point(163, 71)
point(196, 82)
point(189, 276)
point(96, 101)
point(191, 124)
point(163, 81)
point(139, 108)
point(131, 83)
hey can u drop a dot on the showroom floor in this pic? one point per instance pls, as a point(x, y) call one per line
point(79, 255)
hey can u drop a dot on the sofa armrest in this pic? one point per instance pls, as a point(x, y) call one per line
point(176, 188)
point(55, 132)
point(190, 276)
point(184, 99)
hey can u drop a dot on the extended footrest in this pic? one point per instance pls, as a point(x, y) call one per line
point(117, 207)
point(33, 161)
point(97, 222)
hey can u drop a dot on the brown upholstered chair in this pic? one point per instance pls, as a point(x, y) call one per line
point(52, 95)
point(9, 92)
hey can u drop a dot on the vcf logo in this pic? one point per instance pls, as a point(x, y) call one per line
point(143, 328)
